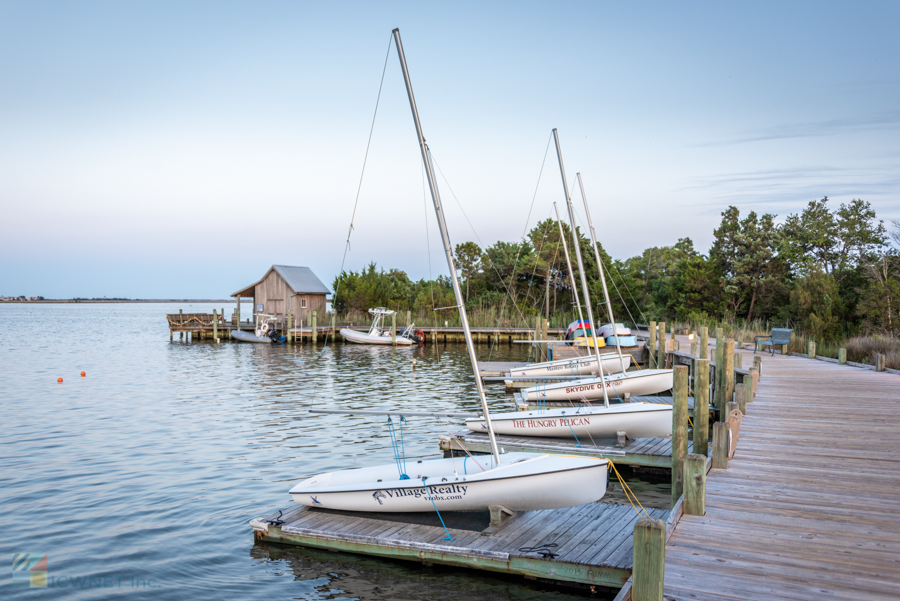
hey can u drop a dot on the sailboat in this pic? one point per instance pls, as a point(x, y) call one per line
point(635, 419)
point(518, 481)
point(378, 334)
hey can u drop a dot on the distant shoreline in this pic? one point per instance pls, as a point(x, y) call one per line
point(85, 302)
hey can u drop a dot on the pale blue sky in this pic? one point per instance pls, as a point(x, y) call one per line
point(172, 150)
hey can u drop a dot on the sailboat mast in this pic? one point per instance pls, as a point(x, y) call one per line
point(445, 236)
point(609, 310)
point(562, 236)
point(584, 284)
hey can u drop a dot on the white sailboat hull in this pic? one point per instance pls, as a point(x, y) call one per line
point(637, 420)
point(583, 366)
point(638, 383)
point(522, 482)
point(366, 338)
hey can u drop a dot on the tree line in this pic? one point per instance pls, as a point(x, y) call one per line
point(832, 272)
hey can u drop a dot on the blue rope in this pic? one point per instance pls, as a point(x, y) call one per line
point(399, 451)
point(450, 538)
point(572, 429)
point(465, 473)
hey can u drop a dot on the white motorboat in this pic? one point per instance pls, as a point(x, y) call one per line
point(522, 481)
point(637, 420)
point(581, 366)
point(378, 334)
point(517, 481)
point(264, 333)
point(635, 383)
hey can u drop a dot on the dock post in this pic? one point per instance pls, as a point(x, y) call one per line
point(679, 429)
point(757, 363)
point(651, 346)
point(842, 356)
point(721, 444)
point(290, 325)
point(718, 386)
point(747, 387)
point(215, 325)
point(739, 399)
point(433, 335)
point(181, 333)
point(738, 361)
point(547, 337)
point(171, 334)
point(314, 327)
point(695, 484)
point(237, 324)
point(811, 349)
point(649, 564)
point(754, 382)
point(701, 406)
point(408, 318)
point(704, 343)
point(394, 328)
point(661, 346)
point(879, 362)
point(728, 373)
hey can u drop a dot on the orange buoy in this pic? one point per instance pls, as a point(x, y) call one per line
point(83, 374)
point(59, 380)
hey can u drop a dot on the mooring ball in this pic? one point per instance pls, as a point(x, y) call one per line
point(59, 380)
point(83, 374)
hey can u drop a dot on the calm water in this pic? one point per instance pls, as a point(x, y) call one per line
point(140, 478)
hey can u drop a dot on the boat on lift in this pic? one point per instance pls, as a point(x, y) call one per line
point(378, 333)
point(517, 481)
point(266, 331)
point(577, 367)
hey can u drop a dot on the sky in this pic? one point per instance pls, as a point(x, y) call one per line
point(178, 149)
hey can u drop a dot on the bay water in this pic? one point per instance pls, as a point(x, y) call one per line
point(139, 479)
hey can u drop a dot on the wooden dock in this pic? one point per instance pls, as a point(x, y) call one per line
point(592, 543)
point(645, 452)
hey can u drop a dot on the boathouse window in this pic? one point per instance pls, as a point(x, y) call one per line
point(302, 303)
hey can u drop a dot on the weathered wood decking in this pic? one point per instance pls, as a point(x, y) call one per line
point(809, 507)
point(593, 542)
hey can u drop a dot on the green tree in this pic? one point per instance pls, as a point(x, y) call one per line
point(756, 267)
point(816, 303)
point(468, 259)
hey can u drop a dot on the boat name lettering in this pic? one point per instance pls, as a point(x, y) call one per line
point(449, 489)
point(565, 422)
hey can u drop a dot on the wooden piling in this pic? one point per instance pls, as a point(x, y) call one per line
point(701, 406)
point(731, 407)
point(651, 345)
point(290, 325)
point(661, 346)
point(842, 356)
point(694, 484)
point(747, 395)
point(333, 330)
point(754, 377)
point(679, 429)
point(718, 385)
point(238, 314)
point(215, 324)
point(181, 334)
point(880, 361)
point(728, 372)
point(757, 363)
point(314, 327)
point(721, 444)
point(738, 360)
point(739, 398)
point(811, 349)
point(649, 562)
point(704, 343)
point(394, 328)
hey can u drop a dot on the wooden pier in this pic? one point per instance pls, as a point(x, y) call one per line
point(809, 507)
point(592, 543)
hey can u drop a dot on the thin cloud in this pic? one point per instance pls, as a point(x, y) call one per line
point(808, 130)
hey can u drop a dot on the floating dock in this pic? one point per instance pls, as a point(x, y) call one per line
point(591, 544)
